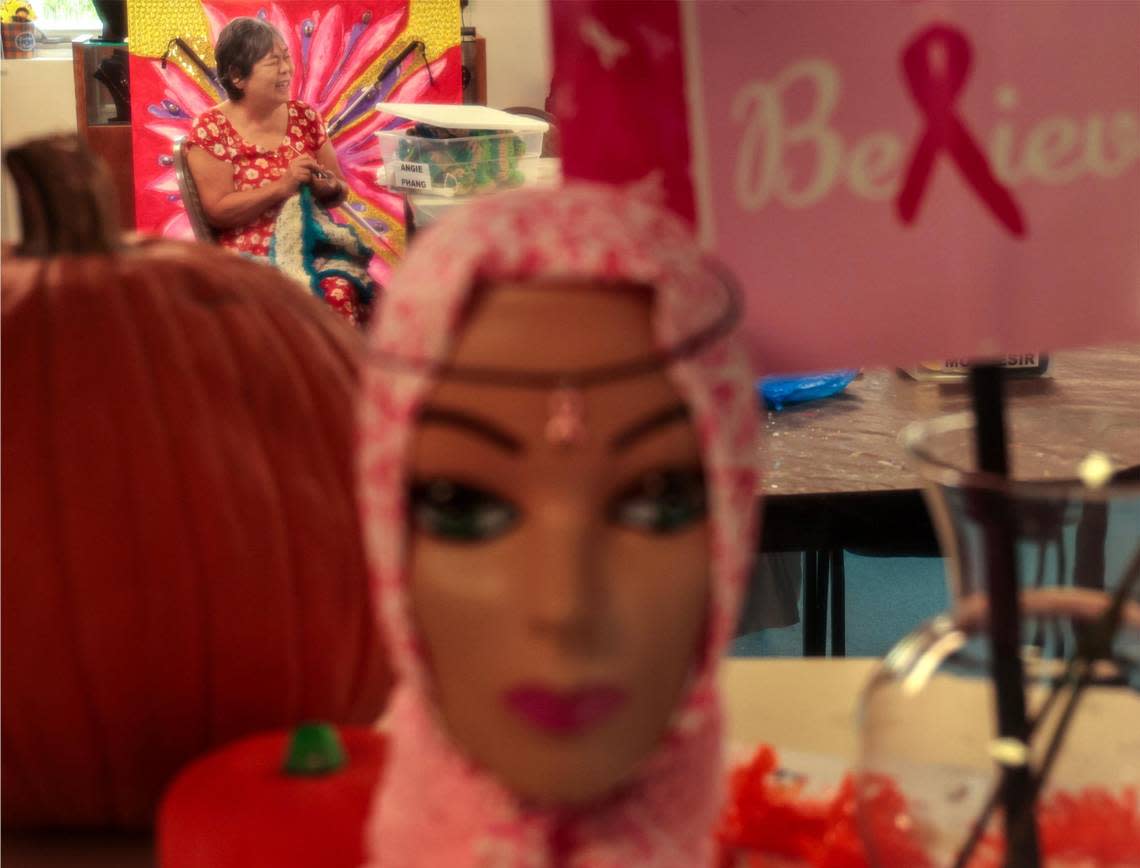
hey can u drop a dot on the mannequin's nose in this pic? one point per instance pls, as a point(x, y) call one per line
point(565, 590)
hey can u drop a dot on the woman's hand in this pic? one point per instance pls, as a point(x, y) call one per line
point(327, 187)
point(302, 170)
point(332, 189)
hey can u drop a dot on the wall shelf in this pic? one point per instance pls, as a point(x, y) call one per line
point(95, 119)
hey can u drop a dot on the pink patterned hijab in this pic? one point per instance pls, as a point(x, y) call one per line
point(435, 807)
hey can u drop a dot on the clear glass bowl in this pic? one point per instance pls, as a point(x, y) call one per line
point(927, 729)
point(1071, 506)
point(1068, 532)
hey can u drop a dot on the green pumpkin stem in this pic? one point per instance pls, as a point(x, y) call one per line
point(314, 749)
point(67, 200)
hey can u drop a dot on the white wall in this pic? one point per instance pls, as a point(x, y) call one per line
point(518, 49)
point(37, 97)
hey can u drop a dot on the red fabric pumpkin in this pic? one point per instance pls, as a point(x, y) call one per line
point(241, 806)
point(182, 562)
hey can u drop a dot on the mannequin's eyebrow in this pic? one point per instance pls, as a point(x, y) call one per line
point(492, 433)
point(647, 425)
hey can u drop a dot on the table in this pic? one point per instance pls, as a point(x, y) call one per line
point(806, 706)
point(793, 704)
point(765, 701)
point(811, 707)
point(836, 477)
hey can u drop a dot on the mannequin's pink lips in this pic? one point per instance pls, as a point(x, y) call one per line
point(564, 712)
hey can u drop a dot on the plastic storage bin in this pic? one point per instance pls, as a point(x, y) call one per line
point(483, 161)
point(427, 208)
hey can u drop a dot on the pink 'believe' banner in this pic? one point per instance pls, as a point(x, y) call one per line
point(888, 181)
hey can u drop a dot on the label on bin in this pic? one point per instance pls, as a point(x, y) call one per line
point(413, 176)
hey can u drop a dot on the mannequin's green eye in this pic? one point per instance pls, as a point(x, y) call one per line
point(662, 502)
point(457, 512)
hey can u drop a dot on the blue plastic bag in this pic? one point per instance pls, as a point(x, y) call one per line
point(778, 392)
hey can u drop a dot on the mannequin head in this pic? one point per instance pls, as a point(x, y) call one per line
point(560, 589)
point(558, 480)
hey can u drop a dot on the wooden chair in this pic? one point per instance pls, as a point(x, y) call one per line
point(203, 231)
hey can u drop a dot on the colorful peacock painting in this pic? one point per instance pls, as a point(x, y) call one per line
point(349, 56)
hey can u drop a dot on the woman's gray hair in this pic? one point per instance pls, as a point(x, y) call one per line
point(241, 44)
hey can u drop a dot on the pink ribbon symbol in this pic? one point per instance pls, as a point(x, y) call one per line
point(937, 64)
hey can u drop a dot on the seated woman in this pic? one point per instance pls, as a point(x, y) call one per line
point(259, 148)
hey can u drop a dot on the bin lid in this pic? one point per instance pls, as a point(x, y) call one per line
point(463, 117)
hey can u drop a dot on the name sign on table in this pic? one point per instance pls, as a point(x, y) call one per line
point(412, 176)
point(889, 181)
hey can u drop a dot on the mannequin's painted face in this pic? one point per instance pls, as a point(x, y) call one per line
point(561, 591)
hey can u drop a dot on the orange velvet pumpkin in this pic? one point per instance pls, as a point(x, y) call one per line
point(182, 562)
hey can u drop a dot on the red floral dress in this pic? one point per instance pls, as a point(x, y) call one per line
point(255, 166)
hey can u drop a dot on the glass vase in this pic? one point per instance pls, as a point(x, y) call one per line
point(932, 765)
